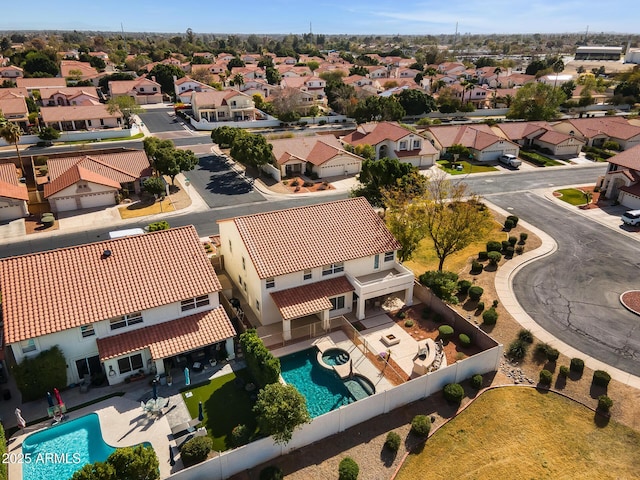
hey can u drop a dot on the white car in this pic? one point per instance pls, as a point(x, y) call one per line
point(632, 217)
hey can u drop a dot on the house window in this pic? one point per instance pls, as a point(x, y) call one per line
point(333, 268)
point(87, 331)
point(196, 302)
point(389, 256)
point(126, 320)
point(337, 303)
point(155, 89)
point(271, 282)
point(88, 121)
point(258, 305)
point(102, 122)
point(142, 89)
point(376, 262)
point(416, 144)
point(403, 145)
point(244, 266)
point(130, 364)
point(307, 275)
point(28, 345)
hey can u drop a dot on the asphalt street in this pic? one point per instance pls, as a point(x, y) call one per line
point(574, 293)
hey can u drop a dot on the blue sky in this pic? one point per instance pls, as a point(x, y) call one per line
point(327, 16)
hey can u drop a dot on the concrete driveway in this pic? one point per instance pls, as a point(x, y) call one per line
point(574, 293)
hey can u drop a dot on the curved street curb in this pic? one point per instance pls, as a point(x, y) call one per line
point(504, 289)
point(627, 306)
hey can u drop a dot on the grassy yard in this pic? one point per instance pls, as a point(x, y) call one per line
point(573, 196)
point(466, 167)
point(225, 407)
point(117, 139)
point(519, 433)
point(539, 159)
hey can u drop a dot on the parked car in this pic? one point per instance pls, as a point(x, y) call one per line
point(510, 160)
point(632, 217)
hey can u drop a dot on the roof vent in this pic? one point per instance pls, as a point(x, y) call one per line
point(106, 254)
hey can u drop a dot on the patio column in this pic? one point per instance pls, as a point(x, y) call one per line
point(325, 320)
point(408, 295)
point(231, 353)
point(360, 308)
point(286, 329)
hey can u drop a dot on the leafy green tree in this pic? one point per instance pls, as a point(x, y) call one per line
point(114, 77)
point(443, 284)
point(37, 62)
point(264, 367)
point(460, 150)
point(536, 101)
point(154, 185)
point(376, 176)
point(251, 149)
point(358, 70)
point(568, 88)
point(313, 65)
point(48, 134)
point(171, 161)
point(404, 219)
point(160, 225)
point(95, 471)
point(363, 150)
point(340, 96)
point(126, 105)
point(225, 136)
point(152, 145)
point(129, 463)
point(164, 76)
point(416, 102)
point(235, 63)
point(272, 76)
point(35, 376)
point(378, 109)
point(279, 410)
point(11, 133)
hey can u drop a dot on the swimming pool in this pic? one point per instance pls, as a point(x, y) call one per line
point(61, 450)
point(323, 389)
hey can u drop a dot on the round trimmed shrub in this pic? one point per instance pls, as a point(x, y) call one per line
point(505, 245)
point(509, 252)
point(517, 349)
point(494, 304)
point(421, 425)
point(408, 323)
point(476, 268)
point(480, 306)
point(601, 378)
point(508, 224)
point(490, 317)
point(476, 382)
point(546, 377)
point(445, 331)
point(514, 219)
point(401, 315)
point(464, 285)
point(564, 371)
point(494, 257)
point(465, 341)
point(393, 441)
point(520, 249)
point(240, 435)
point(525, 335)
point(576, 365)
point(348, 469)
point(475, 292)
point(196, 450)
point(541, 349)
point(604, 404)
point(453, 393)
point(513, 240)
point(272, 472)
point(552, 354)
point(482, 255)
point(523, 237)
point(493, 246)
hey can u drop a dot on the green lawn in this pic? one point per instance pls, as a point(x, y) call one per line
point(522, 434)
point(225, 407)
point(572, 196)
point(539, 159)
point(466, 167)
point(117, 139)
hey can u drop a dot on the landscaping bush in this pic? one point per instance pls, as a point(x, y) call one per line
point(564, 371)
point(494, 258)
point(494, 304)
point(601, 378)
point(421, 425)
point(546, 377)
point(441, 283)
point(513, 240)
point(552, 354)
point(508, 224)
point(514, 219)
point(523, 237)
point(519, 249)
point(240, 435)
point(604, 404)
point(348, 469)
point(401, 315)
point(272, 472)
point(445, 331)
point(505, 245)
point(493, 246)
point(541, 349)
point(476, 268)
point(463, 286)
point(196, 450)
point(465, 340)
point(576, 365)
point(525, 335)
point(264, 367)
point(157, 226)
point(393, 441)
point(475, 292)
point(490, 317)
point(476, 382)
point(517, 349)
point(611, 145)
point(408, 323)
point(482, 255)
point(35, 376)
point(453, 393)
point(509, 252)
point(480, 306)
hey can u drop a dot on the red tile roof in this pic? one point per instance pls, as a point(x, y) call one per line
point(9, 185)
point(316, 149)
point(477, 137)
point(614, 127)
point(519, 130)
point(76, 113)
point(374, 133)
point(308, 299)
point(75, 174)
point(55, 290)
point(629, 158)
point(170, 338)
point(40, 82)
point(301, 238)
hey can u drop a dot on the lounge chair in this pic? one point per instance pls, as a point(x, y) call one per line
point(184, 428)
point(201, 432)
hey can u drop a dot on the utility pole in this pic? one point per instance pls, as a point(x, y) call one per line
point(124, 38)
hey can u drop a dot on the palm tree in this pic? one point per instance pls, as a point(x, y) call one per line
point(11, 133)
point(238, 80)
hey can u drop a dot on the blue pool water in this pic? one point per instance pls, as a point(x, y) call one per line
point(323, 389)
point(59, 451)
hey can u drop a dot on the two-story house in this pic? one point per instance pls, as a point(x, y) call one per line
point(185, 86)
point(308, 264)
point(394, 141)
point(222, 106)
point(143, 90)
point(11, 72)
point(68, 96)
point(621, 182)
point(117, 306)
point(13, 106)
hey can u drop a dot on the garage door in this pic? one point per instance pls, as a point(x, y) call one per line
point(10, 213)
point(98, 200)
point(331, 171)
point(65, 204)
point(630, 201)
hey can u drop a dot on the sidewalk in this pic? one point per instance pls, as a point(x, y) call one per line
point(504, 289)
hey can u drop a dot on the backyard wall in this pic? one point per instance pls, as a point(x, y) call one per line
point(234, 461)
point(80, 136)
